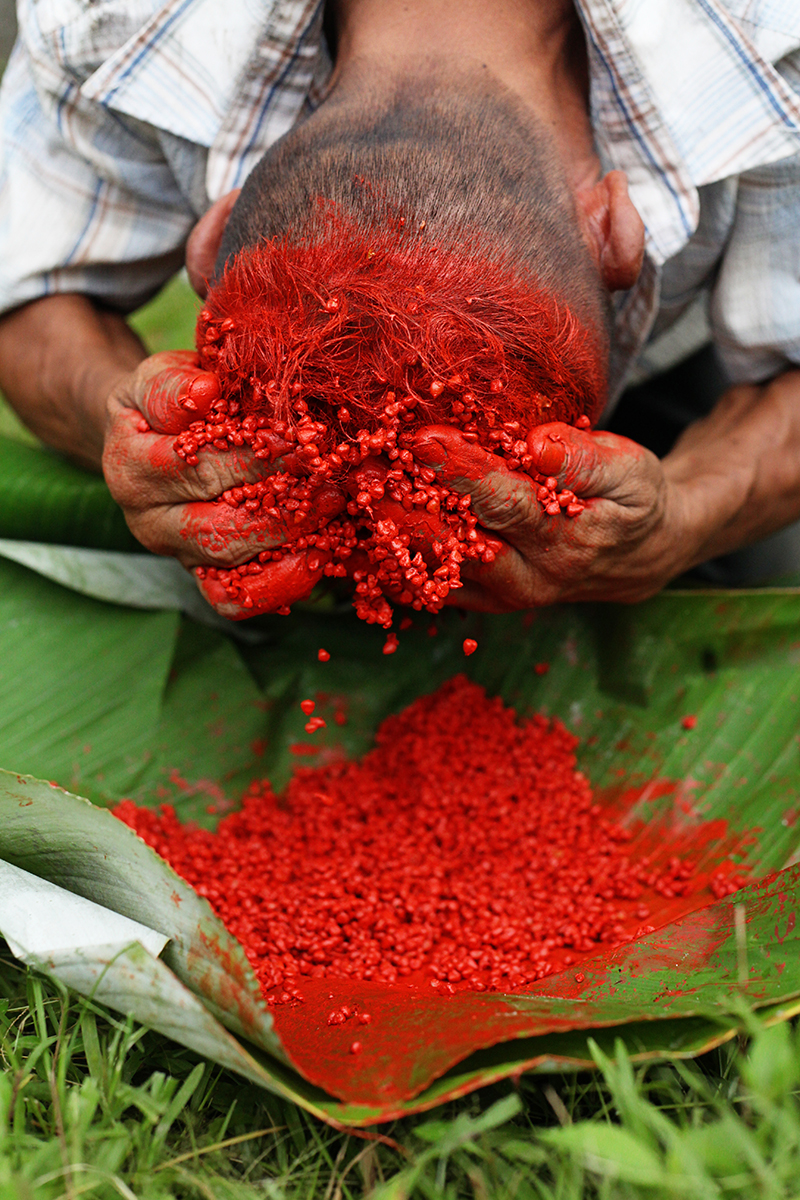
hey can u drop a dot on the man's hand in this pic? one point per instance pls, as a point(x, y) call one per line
point(174, 508)
point(625, 545)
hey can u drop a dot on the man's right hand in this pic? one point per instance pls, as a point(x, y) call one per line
point(173, 507)
point(79, 377)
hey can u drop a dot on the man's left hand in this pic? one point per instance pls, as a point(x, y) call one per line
point(625, 544)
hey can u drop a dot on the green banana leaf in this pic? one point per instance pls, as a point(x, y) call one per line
point(43, 498)
point(111, 702)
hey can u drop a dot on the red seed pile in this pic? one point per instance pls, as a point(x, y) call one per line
point(465, 847)
point(331, 352)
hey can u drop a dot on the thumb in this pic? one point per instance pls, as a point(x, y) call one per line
point(590, 464)
point(171, 391)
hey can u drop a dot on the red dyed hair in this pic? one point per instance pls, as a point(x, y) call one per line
point(344, 315)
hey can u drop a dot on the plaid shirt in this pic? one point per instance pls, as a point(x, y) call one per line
point(122, 121)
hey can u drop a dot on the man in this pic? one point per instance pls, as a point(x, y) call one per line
point(119, 134)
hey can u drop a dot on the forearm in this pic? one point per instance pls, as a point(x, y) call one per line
point(60, 357)
point(735, 475)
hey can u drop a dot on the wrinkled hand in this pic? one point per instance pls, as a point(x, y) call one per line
point(626, 544)
point(173, 508)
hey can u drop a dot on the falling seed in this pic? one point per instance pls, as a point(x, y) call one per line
point(470, 646)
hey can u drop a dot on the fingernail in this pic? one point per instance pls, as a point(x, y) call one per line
point(203, 390)
point(550, 453)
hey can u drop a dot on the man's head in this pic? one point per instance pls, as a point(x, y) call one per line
point(418, 231)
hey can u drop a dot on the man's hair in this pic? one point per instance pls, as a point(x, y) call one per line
point(399, 239)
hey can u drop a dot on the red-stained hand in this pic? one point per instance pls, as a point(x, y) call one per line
point(173, 508)
point(625, 545)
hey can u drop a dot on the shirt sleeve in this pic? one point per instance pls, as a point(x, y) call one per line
point(88, 200)
point(755, 301)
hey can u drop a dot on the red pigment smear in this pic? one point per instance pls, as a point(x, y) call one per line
point(332, 352)
point(465, 849)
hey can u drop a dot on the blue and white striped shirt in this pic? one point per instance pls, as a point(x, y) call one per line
point(121, 121)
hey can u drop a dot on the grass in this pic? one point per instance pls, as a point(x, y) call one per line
point(93, 1105)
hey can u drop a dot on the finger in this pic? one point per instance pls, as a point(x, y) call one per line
point(226, 535)
point(215, 470)
point(587, 463)
point(502, 500)
point(276, 586)
point(172, 391)
point(143, 469)
point(421, 527)
point(366, 484)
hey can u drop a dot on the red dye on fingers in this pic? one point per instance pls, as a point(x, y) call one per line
point(238, 592)
point(465, 849)
point(548, 453)
point(201, 394)
point(178, 392)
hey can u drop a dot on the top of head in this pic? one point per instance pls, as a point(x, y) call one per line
point(403, 240)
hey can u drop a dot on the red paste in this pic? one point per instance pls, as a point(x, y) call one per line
point(331, 353)
point(465, 848)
